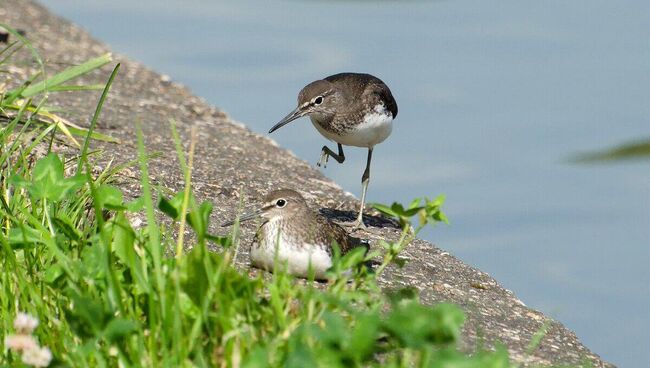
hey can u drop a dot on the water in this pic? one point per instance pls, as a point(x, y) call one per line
point(493, 96)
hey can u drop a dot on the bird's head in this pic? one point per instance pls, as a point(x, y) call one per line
point(317, 98)
point(283, 203)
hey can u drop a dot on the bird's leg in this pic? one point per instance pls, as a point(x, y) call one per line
point(326, 152)
point(365, 179)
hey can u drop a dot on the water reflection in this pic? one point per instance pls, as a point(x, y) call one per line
point(626, 151)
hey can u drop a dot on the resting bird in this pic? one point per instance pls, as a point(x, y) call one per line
point(299, 238)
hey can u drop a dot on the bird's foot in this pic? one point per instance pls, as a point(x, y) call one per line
point(322, 161)
point(357, 225)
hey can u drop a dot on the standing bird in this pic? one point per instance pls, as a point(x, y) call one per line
point(295, 235)
point(350, 109)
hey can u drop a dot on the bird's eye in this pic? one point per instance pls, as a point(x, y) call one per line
point(280, 203)
point(318, 100)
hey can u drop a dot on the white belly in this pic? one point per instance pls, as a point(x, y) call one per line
point(374, 129)
point(299, 259)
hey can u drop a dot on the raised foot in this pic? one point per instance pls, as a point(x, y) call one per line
point(322, 161)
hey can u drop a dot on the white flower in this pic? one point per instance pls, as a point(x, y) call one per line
point(38, 357)
point(24, 323)
point(136, 222)
point(112, 351)
point(20, 343)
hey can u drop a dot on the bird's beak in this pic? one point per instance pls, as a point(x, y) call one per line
point(245, 217)
point(295, 114)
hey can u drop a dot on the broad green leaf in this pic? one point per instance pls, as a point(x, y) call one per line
point(109, 197)
point(334, 331)
point(118, 328)
point(86, 316)
point(397, 208)
point(135, 205)
point(123, 238)
point(417, 326)
point(171, 207)
point(188, 308)
point(363, 340)
point(93, 259)
point(412, 211)
point(48, 169)
point(53, 273)
point(438, 201)
point(224, 241)
point(48, 182)
point(257, 358)
point(123, 246)
point(428, 213)
point(415, 203)
point(199, 219)
point(195, 276)
point(24, 236)
point(452, 358)
point(353, 257)
point(386, 210)
point(299, 355)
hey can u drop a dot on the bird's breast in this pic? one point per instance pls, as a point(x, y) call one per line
point(274, 242)
point(360, 130)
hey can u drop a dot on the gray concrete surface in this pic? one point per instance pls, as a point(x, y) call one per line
point(231, 162)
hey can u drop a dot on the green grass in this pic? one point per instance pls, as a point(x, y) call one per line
point(109, 294)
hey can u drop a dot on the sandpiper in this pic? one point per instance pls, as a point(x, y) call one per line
point(350, 109)
point(294, 235)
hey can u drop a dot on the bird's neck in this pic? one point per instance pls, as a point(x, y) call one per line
point(321, 118)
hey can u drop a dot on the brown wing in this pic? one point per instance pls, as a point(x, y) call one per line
point(377, 92)
point(371, 88)
point(337, 233)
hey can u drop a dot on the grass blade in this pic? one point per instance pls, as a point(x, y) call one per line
point(93, 121)
point(66, 75)
point(25, 42)
point(67, 88)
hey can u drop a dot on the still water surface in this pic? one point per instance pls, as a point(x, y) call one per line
point(493, 97)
